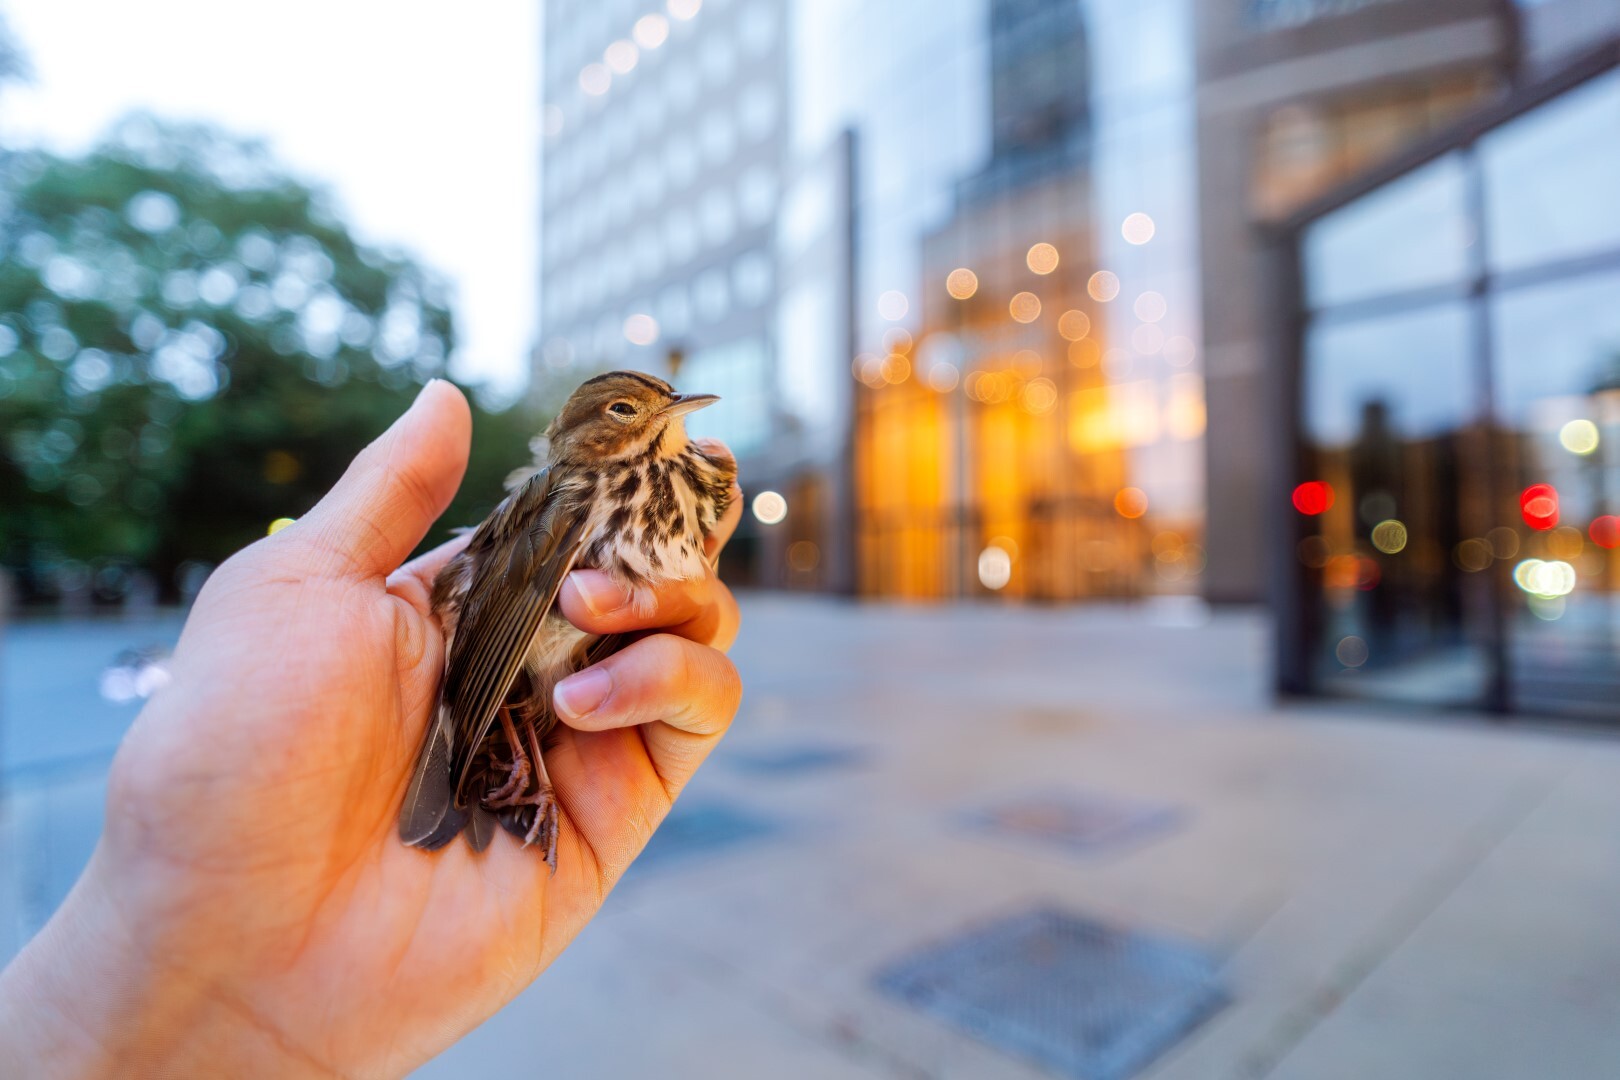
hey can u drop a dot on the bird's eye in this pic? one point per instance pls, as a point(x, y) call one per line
point(622, 410)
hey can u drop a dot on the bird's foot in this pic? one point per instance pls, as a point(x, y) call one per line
point(517, 777)
point(533, 819)
point(543, 831)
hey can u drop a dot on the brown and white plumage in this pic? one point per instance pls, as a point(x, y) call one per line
point(624, 491)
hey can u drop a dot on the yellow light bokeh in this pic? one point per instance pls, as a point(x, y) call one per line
point(1025, 307)
point(1579, 437)
point(1039, 396)
point(1074, 325)
point(1085, 354)
point(1042, 258)
point(896, 368)
point(279, 524)
point(1390, 536)
point(962, 283)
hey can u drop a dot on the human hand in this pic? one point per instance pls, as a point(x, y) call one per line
point(250, 909)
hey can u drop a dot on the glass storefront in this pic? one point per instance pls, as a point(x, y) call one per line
point(1028, 408)
point(1456, 514)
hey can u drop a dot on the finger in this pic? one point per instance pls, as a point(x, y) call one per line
point(414, 581)
point(394, 490)
point(701, 609)
point(690, 687)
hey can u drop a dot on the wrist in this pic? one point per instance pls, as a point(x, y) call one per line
point(87, 998)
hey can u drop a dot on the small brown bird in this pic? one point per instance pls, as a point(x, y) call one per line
point(623, 490)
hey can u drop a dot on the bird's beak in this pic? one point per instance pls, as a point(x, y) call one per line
point(687, 403)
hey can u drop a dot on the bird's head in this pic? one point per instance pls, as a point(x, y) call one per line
point(622, 414)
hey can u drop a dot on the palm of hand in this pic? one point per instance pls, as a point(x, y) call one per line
point(251, 812)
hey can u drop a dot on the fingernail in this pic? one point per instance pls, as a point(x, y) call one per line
point(598, 592)
point(582, 693)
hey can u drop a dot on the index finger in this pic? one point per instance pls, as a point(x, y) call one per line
point(700, 609)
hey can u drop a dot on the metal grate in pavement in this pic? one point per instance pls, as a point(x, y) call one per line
point(794, 760)
point(701, 827)
point(1085, 822)
point(1085, 1000)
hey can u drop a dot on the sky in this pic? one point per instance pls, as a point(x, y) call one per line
point(422, 117)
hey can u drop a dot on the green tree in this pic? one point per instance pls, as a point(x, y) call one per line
point(192, 344)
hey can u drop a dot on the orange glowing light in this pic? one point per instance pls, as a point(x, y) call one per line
point(1025, 307)
point(1131, 502)
point(1313, 497)
point(961, 283)
point(1042, 258)
point(1605, 531)
point(1539, 506)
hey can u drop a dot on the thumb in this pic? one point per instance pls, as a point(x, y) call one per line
point(395, 489)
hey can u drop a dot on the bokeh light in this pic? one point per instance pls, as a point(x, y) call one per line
point(1151, 307)
point(1042, 258)
point(897, 339)
point(803, 556)
point(1085, 354)
point(621, 57)
point(1539, 506)
point(893, 305)
point(1472, 555)
point(1351, 651)
point(770, 507)
point(1565, 543)
point(641, 329)
point(1131, 502)
point(1579, 437)
point(943, 377)
point(1103, 286)
point(279, 524)
point(1039, 396)
point(1548, 579)
point(651, 31)
point(1605, 531)
point(1389, 536)
point(1147, 339)
point(1025, 307)
point(962, 283)
point(684, 9)
point(1074, 325)
point(896, 368)
point(595, 79)
point(1313, 497)
point(995, 567)
point(1137, 228)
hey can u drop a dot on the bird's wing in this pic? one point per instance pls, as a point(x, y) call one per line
point(523, 552)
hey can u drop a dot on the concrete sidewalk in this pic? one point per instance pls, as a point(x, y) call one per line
point(1381, 895)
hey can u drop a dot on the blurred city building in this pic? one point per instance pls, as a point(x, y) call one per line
point(1451, 336)
point(1295, 97)
point(1015, 253)
point(663, 136)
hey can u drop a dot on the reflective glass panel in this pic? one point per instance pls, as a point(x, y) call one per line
point(1551, 179)
point(1558, 389)
point(1410, 234)
point(1392, 447)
